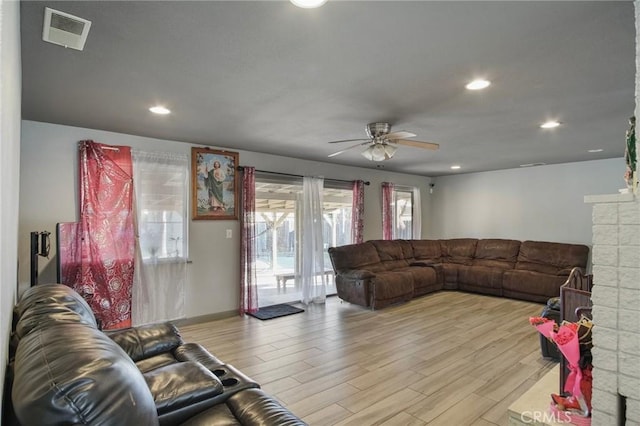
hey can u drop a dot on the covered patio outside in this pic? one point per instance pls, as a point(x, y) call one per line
point(278, 238)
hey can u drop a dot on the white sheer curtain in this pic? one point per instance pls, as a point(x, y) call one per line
point(314, 283)
point(161, 188)
point(417, 215)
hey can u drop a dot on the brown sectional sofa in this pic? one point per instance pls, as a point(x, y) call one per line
point(380, 273)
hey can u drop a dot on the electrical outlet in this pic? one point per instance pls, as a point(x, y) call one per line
point(229, 233)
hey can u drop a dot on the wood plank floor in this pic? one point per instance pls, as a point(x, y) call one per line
point(448, 358)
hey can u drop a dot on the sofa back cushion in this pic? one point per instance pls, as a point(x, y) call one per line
point(393, 254)
point(51, 304)
point(74, 374)
point(458, 250)
point(497, 253)
point(551, 258)
point(353, 256)
point(426, 250)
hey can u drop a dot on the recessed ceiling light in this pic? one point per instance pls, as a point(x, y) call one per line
point(159, 109)
point(456, 167)
point(595, 150)
point(308, 4)
point(551, 124)
point(478, 84)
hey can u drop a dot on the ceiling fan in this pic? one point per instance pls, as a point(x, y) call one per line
point(383, 143)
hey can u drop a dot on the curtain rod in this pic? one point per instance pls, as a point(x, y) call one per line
point(299, 176)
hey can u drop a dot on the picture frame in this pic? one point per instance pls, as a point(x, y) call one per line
point(214, 184)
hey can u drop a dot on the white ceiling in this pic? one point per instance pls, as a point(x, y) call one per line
point(269, 77)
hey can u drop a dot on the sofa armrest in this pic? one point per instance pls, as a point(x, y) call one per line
point(253, 406)
point(196, 352)
point(357, 274)
point(147, 340)
point(247, 407)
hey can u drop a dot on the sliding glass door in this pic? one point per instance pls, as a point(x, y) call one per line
point(278, 230)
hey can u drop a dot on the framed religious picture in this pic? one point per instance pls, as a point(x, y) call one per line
point(214, 184)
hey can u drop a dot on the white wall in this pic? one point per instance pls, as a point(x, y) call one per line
point(541, 203)
point(48, 184)
point(9, 167)
point(544, 203)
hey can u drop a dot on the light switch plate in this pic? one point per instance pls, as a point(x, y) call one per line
point(229, 233)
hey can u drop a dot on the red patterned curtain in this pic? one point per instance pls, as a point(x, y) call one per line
point(105, 235)
point(357, 212)
point(248, 280)
point(387, 210)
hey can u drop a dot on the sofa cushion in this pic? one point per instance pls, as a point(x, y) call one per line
point(182, 384)
point(157, 361)
point(530, 285)
point(497, 253)
point(481, 279)
point(74, 374)
point(458, 250)
point(392, 284)
point(426, 279)
point(426, 250)
point(551, 258)
point(393, 254)
point(353, 256)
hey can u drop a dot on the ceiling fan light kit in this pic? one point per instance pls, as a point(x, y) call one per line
point(379, 152)
point(383, 143)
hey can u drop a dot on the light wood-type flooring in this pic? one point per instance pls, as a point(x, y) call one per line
point(448, 358)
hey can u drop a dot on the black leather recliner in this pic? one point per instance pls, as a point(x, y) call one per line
point(66, 371)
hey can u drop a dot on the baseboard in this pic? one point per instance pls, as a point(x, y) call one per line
point(205, 318)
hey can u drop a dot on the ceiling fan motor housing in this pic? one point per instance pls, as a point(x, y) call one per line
point(375, 130)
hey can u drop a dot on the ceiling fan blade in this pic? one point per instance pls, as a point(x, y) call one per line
point(417, 144)
point(347, 149)
point(350, 140)
point(399, 135)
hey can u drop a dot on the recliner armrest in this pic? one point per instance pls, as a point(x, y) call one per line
point(196, 352)
point(147, 340)
point(253, 406)
point(357, 274)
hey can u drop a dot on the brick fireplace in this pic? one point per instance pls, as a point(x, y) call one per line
point(616, 310)
point(616, 298)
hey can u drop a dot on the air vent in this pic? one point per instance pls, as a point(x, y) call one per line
point(64, 29)
point(533, 164)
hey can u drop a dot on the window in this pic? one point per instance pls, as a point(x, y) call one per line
point(161, 190)
point(402, 213)
point(401, 216)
